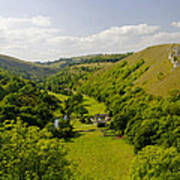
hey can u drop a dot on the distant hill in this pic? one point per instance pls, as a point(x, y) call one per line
point(26, 69)
point(89, 59)
point(71, 77)
point(40, 70)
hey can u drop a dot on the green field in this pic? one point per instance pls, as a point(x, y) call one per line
point(98, 157)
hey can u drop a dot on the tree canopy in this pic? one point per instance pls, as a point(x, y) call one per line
point(26, 152)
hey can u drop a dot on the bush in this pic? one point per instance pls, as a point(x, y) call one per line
point(160, 76)
point(156, 163)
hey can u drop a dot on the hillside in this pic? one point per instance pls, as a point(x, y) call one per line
point(40, 70)
point(71, 77)
point(26, 69)
point(161, 77)
point(144, 118)
point(21, 98)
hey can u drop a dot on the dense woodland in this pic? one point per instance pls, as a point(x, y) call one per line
point(23, 99)
point(27, 137)
point(32, 148)
point(68, 78)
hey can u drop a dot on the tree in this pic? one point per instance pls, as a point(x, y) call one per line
point(80, 111)
point(146, 134)
point(156, 163)
point(74, 105)
point(31, 153)
point(64, 129)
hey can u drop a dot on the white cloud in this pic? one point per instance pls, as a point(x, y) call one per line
point(41, 21)
point(11, 22)
point(35, 38)
point(175, 24)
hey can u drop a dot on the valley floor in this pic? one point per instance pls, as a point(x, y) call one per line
point(94, 156)
point(97, 157)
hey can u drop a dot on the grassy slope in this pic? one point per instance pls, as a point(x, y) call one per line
point(61, 97)
point(157, 58)
point(93, 106)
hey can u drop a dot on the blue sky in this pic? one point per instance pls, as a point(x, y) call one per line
point(49, 29)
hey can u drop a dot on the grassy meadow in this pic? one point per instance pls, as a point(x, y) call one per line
point(97, 157)
point(94, 156)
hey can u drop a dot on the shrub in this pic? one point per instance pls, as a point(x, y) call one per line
point(156, 163)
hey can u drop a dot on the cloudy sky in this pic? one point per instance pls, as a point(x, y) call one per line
point(45, 30)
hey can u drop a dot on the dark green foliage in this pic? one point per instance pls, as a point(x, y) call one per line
point(67, 79)
point(22, 98)
point(31, 153)
point(156, 163)
point(146, 134)
point(73, 108)
point(174, 94)
point(154, 123)
point(64, 129)
point(86, 119)
point(160, 76)
point(73, 105)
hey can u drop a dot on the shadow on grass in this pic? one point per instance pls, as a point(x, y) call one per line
point(87, 130)
point(106, 133)
point(76, 134)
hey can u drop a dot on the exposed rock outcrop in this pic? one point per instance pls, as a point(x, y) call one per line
point(174, 56)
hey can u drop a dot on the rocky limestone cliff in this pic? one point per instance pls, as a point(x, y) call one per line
point(174, 56)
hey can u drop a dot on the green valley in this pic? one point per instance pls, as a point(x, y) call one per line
point(92, 153)
point(90, 90)
point(99, 116)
